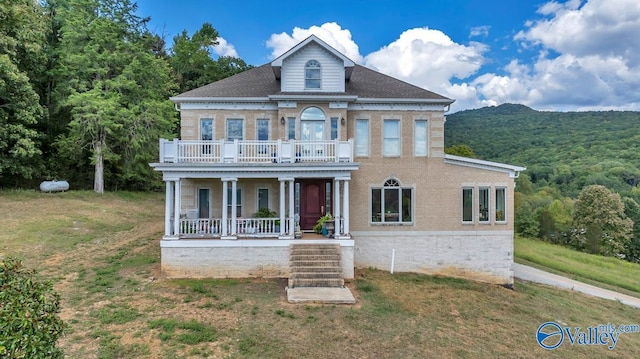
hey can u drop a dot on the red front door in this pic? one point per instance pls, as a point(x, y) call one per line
point(313, 202)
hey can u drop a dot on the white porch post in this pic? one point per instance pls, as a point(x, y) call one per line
point(336, 206)
point(168, 202)
point(224, 230)
point(345, 206)
point(176, 210)
point(292, 221)
point(234, 205)
point(282, 206)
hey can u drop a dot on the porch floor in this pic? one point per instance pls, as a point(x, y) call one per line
point(320, 295)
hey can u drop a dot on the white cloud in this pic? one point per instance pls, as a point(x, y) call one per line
point(430, 59)
point(479, 31)
point(224, 48)
point(329, 32)
point(589, 57)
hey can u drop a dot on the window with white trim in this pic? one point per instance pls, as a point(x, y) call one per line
point(291, 128)
point(206, 129)
point(391, 138)
point(312, 75)
point(362, 137)
point(392, 203)
point(420, 138)
point(484, 209)
point(235, 129)
point(262, 125)
point(263, 198)
point(467, 204)
point(501, 204)
point(238, 202)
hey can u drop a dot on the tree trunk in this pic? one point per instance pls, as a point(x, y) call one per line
point(98, 179)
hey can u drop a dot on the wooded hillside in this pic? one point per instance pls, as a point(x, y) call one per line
point(567, 150)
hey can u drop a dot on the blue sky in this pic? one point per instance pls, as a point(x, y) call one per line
point(550, 55)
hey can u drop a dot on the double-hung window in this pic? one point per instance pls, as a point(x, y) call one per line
point(235, 129)
point(362, 137)
point(206, 134)
point(263, 198)
point(420, 141)
point(391, 203)
point(238, 202)
point(391, 138)
point(312, 75)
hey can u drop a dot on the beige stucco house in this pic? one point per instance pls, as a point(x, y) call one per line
point(312, 133)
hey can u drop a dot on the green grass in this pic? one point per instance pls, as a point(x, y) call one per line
point(118, 305)
point(611, 272)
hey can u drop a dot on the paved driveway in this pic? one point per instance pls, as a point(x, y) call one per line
point(538, 276)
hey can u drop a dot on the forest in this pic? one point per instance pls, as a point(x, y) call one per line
point(84, 91)
point(583, 170)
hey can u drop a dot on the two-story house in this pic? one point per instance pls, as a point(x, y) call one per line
point(312, 133)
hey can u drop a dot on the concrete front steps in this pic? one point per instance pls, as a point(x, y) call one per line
point(315, 265)
point(316, 275)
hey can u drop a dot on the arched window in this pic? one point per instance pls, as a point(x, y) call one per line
point(312, 75)
point(312, 124)
point(391, 203)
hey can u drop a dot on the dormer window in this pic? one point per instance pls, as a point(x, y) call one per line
point(312, 75)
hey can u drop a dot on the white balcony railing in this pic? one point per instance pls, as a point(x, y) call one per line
point(244, 227)
point(179, 151)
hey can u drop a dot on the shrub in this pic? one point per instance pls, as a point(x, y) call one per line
point(29, 308)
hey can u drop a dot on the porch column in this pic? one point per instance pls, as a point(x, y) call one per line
point(345, 206)
point(176, 210)
point(292, 221)
point(336, 206)
point(234, 205)
point(168, 203)
point(282, 206)
point(223, 226)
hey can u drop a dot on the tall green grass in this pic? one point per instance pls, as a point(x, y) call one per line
point(607, 270)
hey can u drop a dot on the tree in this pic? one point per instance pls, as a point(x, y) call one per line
point(632, 210)
point(600, 224)
point(30, 325)
point(193, 63)
point(115, 85)
point(460, 150)
point(22, 38)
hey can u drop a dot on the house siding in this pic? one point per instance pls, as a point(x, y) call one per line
point(293, 70)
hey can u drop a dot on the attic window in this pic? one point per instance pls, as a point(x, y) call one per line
point(312, 75)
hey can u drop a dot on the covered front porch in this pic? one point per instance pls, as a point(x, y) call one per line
point(224, 203)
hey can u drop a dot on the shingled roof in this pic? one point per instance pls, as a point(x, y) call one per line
point(260, 82)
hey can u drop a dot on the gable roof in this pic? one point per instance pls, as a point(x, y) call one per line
point(263, 83)
point(260, 83)
point(276, 64)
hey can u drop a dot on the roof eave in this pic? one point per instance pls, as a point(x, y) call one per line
point(178, 99)
point(513, 171)
point(444, 101)
point(314, 97)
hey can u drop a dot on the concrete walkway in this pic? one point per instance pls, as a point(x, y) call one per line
point(531, 274)
point(320, 295)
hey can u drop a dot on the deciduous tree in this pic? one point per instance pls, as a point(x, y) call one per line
point(600, 224)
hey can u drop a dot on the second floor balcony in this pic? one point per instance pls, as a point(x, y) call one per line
point(241, 151)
